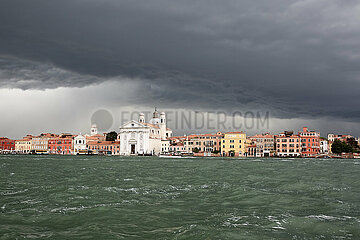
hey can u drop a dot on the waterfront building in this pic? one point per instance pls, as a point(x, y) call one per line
point(177, 139)
point(96, 137)
point(342, 137)
point(23, 145)
point(139, 137)
point(310, 142)
point(324, 146)
point(6, 144)
point(251, 150)
point(177, 148)
point(62, 144)
point(234, 144)
point(104, 147)
point(40, 144)
point(265, 145)
point(203, 143)
point(80, 146)
point(288, 144)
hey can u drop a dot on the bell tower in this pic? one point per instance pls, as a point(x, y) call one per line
point(162, 125)
point(141, 118)
point(93, 130)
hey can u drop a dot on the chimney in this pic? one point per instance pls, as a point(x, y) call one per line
point(305, 129)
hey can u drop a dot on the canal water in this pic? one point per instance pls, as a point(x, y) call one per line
point(100, 197)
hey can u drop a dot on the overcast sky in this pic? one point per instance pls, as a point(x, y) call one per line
point(61, 61)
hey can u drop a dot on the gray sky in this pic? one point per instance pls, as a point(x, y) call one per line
point(60, 61)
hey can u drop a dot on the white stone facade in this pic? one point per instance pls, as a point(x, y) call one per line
point(80, 145)
point(324, 147)
point(134, 138)
point(139, 137)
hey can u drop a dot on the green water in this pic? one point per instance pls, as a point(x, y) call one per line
point(93, 197)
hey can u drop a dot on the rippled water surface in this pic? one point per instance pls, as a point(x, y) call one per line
point(99, 197)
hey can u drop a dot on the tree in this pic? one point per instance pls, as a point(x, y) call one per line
point(111, 136)
point(352, 143)
point(340, 147)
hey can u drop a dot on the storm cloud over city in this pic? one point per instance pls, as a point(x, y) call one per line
point(298, 60)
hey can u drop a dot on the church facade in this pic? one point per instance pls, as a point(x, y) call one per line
point(142, 138)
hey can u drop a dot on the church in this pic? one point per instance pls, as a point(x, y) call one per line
point(141, 138)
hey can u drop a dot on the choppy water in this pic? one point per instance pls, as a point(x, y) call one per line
point(92, 197)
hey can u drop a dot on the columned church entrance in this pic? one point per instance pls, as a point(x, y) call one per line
point(132, 148)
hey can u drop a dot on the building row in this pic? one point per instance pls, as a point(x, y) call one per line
point(305, 143)
point(134, 137)
point(138, 137)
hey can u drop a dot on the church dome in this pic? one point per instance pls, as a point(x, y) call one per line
point(156, 114)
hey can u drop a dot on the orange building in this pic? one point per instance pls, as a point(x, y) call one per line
point(288, 144)
point(62, 144)
point(6, 144)
point(310, 142)
point(104, 147)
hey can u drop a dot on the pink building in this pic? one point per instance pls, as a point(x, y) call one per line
point(203, 142)
point(288, 144)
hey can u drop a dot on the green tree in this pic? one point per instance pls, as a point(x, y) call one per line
point(340, 147)
point(111, 136)
point(352, 143)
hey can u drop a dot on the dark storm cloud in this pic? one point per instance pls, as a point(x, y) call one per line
point(296, 58)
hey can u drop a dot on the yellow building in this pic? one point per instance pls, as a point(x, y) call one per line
point(23, 145)
point(233, 144)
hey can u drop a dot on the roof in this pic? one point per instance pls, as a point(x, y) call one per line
point(176, 137)
point(291, 136)
point(95, 137)
point(177, 144)
point(103, 142)
point(151, 125)
point(262, 136)
point(235, 132)
point(203, 135)
point(23, 140)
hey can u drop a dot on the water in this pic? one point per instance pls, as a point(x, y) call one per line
point(94, 197)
